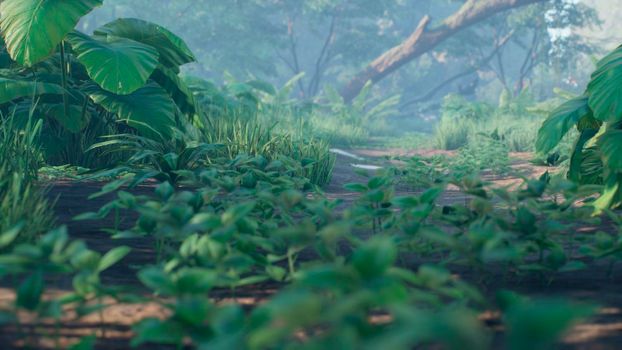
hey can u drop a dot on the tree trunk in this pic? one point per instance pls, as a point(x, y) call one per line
point(423, 40)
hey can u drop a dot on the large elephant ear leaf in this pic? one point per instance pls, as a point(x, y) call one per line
point(118, 65)
point(11, 89)
point(560, 122)
point(177, 89)
point(32, 29)
point(174, 52)
point(150, 110)
point(605, 88)
point(610, 144)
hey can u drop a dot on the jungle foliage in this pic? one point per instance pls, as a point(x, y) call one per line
point(596, 115)
point(235, 170)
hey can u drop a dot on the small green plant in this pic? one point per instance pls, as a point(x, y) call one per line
point(22, 201)
point(34, 265)
point(163, 160)
point(482, 153)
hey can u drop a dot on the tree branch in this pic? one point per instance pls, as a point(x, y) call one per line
point(423, 40)
point(500, 44)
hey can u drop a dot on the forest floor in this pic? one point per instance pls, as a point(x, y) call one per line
point(604, 331)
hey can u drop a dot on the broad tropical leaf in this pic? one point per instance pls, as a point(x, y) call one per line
point(611, 147)
point(150, 109)
point(11, 89)
point(177, 88)
point(560, 122)
point(610, 194)
point(32, 29)
point(74, 121)
point(575, 171)
point(173, 50)
point(605, 89)
point(118, 65)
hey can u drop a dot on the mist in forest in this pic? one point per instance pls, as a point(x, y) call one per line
point(534, 52)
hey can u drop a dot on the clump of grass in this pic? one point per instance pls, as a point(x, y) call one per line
point(22, 201)
point(515, 123)
point(244, 134)
point(452, 133)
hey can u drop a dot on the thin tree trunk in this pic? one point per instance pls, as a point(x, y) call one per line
point(423, 40)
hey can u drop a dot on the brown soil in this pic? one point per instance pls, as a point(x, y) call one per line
point(602, 332)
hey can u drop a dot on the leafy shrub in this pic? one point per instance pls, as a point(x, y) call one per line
point(596, 115)
point(138, 91)
point(483, 152)
point(258, 122)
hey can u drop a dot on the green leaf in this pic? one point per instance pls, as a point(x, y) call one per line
point(153, 330)
point(118, 65)
point(85, 343)
point(609, 194)
point(611, 148)
point(192, 310)
point(157, 280)
point(74, 121)
point(11, 89)
point(560, 122)
point(164, 190)
point(32, 29)
point(374, 257)
point(605, 88)
point(149, 109)
point(85, 260)
point(176, 88)
point(277, 273)
point(113, 257)
point(9, 236)
point(538, 324)
point(29, 292)
point(574, 171)
point(195, 280)
point(172, 49)
point(85, 283)
point(431, 195)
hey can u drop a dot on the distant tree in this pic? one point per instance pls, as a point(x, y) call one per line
point(423, 39)
point(333, 41)
point(512, 46)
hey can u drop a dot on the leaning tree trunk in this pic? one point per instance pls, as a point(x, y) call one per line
point(423, 40)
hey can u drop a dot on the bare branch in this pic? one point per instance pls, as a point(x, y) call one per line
point(423, 40)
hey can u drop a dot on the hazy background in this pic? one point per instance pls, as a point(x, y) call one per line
point(547, 47)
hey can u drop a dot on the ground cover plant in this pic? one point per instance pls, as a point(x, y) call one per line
point(143, 205)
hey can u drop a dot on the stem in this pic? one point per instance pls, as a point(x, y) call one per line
point(116, 221)
point(63, 67)
point(290, 263)
point(101, 317)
